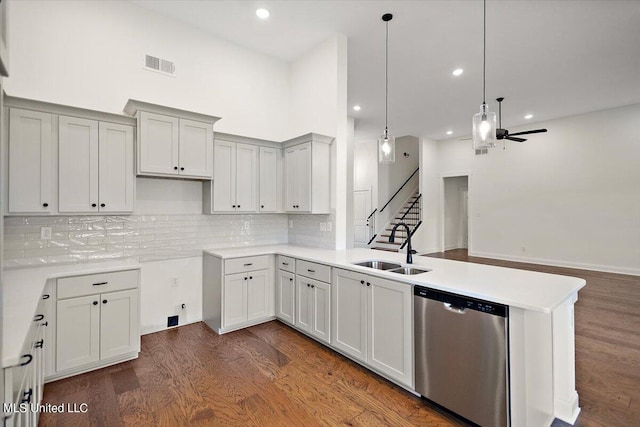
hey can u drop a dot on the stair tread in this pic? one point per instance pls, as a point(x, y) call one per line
point(388, 242)
point(384, 249)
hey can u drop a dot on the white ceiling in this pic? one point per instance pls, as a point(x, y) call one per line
point(552, 58)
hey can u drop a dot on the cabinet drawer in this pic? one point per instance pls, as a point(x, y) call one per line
point(287, 263)
point(238, 265)
point(97, 283)
point(313, 270)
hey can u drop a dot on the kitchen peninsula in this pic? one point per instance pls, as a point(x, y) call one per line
point(541, 365)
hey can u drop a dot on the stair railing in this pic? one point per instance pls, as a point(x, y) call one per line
point(411, 217)
point(401, 187)
point(371, 223)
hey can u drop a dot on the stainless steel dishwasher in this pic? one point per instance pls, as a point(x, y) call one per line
point(461, 357)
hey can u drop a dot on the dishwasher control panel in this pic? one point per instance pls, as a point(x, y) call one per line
point(461, 302)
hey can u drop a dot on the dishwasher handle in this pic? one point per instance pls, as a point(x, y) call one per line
point(453, 308)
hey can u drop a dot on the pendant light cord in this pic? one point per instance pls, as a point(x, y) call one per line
point(484, 53)
point(386, 81)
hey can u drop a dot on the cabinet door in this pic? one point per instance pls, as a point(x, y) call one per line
point(158, 149)
point(234, 304)
point(303, 302)
point(268, 179)
point(116, 175)
point(78, 165)
point(246, 177)
point(286, 297)
point(259, 302)
point(303, 177)
point(224, 181)
point(77, 332)
point(30, 159)
point(196, 148)
point(321, 310)
point(350, 311)
point(290, 180)
point(390, 329)
point(119, 323)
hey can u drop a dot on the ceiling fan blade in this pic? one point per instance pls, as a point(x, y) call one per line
point(510, 138)
point(527, 132)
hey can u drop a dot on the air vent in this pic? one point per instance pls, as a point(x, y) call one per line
point(153, 63)
point(482, 151)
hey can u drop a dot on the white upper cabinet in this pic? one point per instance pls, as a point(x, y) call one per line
point(268, 182)
point(172, 142)
point(95, 163)
point(115, 167)
point(307, 179)
point(246, 176)
point(30, 161)
point(158, 144)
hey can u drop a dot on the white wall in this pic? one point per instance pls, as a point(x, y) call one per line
point(159, 299)
point(426, 238)
point(568, 197)
point(89, 54)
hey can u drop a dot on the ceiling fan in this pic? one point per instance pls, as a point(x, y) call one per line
point(504, 133)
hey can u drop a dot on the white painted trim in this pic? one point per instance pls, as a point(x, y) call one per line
point(453, 174)
point(559, 263)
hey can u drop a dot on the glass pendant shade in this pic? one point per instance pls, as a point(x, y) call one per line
point(386, 149)
point(484, 128)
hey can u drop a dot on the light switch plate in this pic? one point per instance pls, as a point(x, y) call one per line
point(323, 226)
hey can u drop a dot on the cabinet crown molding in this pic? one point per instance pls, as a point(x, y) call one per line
point(133, 106)
point(66, 110)
point(309, 137)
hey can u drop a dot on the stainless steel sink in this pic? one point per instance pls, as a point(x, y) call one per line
point(409, 270)
point(378, 265)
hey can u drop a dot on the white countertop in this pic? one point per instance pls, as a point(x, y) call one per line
point(23, 288)
point(527, 290)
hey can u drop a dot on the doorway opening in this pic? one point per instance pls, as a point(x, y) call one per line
point(456, 212)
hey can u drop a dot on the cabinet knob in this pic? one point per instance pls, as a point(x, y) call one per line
point(181, 169)
point(362, 282)
point(238, 206)
point(291, 279)
point(308, 285)
point(26, 396)
point(250, 277)
point(95, 303)
point(102, 205)
point(45, 324)
point(368, 284)
point(45, 204)
point(175, 168)
point(233, 206)
point(313, 286)
point(261, 206)
point(245, 278)
point(39, 344)
point(93, 205)
point(104, 301)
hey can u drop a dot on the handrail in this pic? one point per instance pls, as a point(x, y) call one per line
point(401, 187)
point(372, 239)
point(371, 214)
point(411, 207)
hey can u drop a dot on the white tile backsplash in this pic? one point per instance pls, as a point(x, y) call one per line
point(306, 231)
point(145, 237)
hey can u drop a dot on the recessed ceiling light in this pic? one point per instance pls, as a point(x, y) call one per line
point(449, 132)
point(356, 107)
point(457, 72)
point(262, 13)
point(528, 116)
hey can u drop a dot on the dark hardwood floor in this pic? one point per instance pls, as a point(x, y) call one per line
point(271, 375)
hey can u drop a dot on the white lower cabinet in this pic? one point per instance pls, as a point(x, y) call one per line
point(286, 296)
point(313, 302)
point(373, 323)
point(24, 383)
point(96, 321)
point(237, 292)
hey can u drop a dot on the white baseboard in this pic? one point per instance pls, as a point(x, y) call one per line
point(559, 263)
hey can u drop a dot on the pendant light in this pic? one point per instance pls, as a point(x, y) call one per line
point(386, 143)
point(484, 122)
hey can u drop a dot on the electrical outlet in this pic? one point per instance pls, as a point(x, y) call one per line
point(172, 321)
point(323, 226)
point(175, 282)
point(329, 226)
point(290, 223)
point(45, 233)
point(246, 225)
